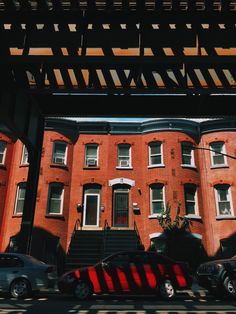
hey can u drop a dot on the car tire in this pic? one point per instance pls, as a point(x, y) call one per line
point(230, 286)
point(82, 290)
point(20, 288)
point(167, 290)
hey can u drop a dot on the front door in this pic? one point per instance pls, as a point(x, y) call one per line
point(91, 210)
point(121, 208)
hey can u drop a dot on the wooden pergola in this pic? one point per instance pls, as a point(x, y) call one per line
point(112, 58)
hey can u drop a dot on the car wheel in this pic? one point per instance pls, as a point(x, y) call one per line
point(166, 289)
point(20, 288)
point(82, 290)
point(230, 286)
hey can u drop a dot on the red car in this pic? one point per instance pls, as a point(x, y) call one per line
point(128, 272)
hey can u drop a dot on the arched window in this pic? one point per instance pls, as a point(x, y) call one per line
point(124, 155)
point(59, 154)
point(55, 198)
point(217, 149)
point(190, 196)
point(157, 199)
point(91, 155)
point(187, 154)
point(155, 153)
point(20, 198)
point(224, 203)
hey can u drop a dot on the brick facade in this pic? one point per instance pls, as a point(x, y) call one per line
point(206, 225)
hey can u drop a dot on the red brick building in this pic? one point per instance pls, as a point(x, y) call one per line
point(121, 174)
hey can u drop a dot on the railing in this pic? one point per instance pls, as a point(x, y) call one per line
point(78, 226)
point(105, 228)
point(140, 244)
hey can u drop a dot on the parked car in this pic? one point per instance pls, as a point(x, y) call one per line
point(22, 274)
point(218, 276)
point(128, 272)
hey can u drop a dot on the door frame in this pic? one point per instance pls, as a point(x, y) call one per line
point(119, 191)
point(85, 209)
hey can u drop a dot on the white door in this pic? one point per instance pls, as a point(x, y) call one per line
point(91, 210)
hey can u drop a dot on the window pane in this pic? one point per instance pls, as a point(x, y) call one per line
point(155, 149)
point(190, 208)
point(186, 160)
point(156, 160)
point(157, 207)
point(218, 159)
point(224, 208)
point(91, 150)
point(217, 146)
point(157, 194)
point(223, 195)
point(124, 151)
point(55, 206)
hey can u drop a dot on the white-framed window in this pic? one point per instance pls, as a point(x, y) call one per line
point(217, 149)
point(3, 151)
point(124, 155)
point(157, 199)
point(187, 154)
point(20, 198)
point(224, 203)
point(191, 202)
point(55, 198)
point(59, 155)
point(155, 153)
point(24, 156)
point(91, 155)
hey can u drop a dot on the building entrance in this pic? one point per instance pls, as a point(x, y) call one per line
point(121, 208)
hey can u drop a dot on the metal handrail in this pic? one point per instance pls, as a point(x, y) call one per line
point(138, 235)
point(105, 228)
point(77, 224)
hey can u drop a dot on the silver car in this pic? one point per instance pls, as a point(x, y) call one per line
point(22, 274)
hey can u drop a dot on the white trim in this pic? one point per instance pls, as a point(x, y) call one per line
point(92, 157)
point(155, 235)
point(85, 209)
point(3, 153)
point(121, 181)
point(196, 206)
point(151, 200)
point(20, 185)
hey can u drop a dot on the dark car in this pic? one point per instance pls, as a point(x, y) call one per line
point(22, 274)
point(128, 272)
point(218, 276)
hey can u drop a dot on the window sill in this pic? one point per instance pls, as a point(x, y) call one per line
point(24, 165)
point(154, 216)
point(156, 166)
point(91, 168)
point(189, 166)
point(225, 217)
point(55, 216)
point(219, 166)
point(192, 216)
point(59, 166)
point(17, 215)
point(124, 168)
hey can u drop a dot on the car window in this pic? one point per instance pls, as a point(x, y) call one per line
point(119, 260)
point(10, 261)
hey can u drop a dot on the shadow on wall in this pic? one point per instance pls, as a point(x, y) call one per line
point(180, 246)
point(45, 246)
point(227, 247)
